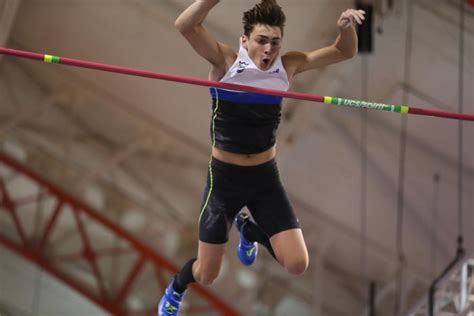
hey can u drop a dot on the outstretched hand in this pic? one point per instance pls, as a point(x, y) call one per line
point(350, 17)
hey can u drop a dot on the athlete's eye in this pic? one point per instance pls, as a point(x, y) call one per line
point(276, 43)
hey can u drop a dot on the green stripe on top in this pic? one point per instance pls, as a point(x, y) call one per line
point(51, 59)
point(366, 105)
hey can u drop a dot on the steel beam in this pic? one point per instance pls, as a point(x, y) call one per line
point(39, 249)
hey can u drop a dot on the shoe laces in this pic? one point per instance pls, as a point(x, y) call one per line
point(177, 296)
point(170, 309)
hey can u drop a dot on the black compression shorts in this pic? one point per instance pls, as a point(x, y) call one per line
point(231, 187)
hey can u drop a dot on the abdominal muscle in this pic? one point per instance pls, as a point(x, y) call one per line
point(244, 159)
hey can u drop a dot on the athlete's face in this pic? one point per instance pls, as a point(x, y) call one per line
point(263, 45)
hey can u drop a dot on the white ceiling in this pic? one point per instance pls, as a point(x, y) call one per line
point(137, 148)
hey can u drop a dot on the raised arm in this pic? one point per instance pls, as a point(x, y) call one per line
point(189, 23)
point(344, 47)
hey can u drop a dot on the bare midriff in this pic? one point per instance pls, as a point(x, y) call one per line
point(244, 159)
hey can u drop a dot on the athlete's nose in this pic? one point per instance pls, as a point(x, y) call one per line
point(268, 49)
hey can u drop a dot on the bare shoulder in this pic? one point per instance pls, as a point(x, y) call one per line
point(293, 57)
point(229, 54)
point(292, 61)
point(219, 70)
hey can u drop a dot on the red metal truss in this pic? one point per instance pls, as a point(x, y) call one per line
point(37, 246)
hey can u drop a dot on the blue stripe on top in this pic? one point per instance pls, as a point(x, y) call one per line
point(245, 97)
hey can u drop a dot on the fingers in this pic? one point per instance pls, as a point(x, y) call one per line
point(360, 14)
point(353, 15)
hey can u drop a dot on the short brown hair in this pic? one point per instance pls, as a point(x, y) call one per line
point(266, 12)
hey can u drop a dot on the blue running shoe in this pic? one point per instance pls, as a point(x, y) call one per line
point(246, 250)
point(169, 304)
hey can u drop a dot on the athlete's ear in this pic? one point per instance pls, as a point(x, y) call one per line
point(245, 40)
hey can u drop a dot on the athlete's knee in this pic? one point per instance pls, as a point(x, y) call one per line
point(297, 265)
point(206, 279)
point(206, 275)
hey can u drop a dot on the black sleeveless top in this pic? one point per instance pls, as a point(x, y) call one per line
point(244, 123)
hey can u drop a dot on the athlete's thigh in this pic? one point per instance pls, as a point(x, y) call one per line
point(289, 246)
point(270, 206)
point(223, 198)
